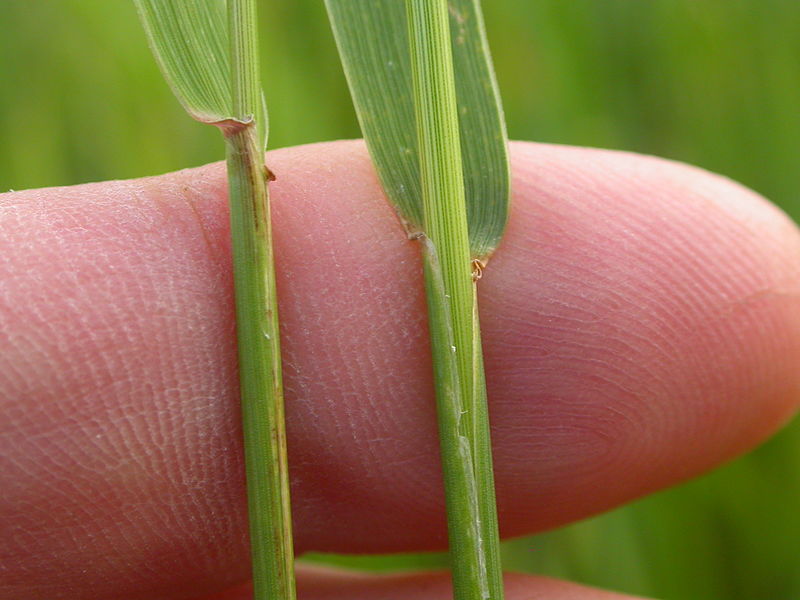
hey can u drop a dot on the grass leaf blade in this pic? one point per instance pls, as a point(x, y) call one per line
point(190, 44)
point(484, 141)
point(373, 44)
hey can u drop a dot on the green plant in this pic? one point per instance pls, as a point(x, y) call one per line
point(712, 83)
point(447, 176)
point(211, 61)
point(459, 225)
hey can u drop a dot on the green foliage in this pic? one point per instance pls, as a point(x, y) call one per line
point(190, 43)
point(425, 94)
point(714, 83)
point(374, 45)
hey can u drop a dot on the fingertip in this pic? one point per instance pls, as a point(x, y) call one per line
point(640, 317)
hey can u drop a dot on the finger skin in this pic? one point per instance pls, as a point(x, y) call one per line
point(641, 325)
point(317, 583)
point(435, 586)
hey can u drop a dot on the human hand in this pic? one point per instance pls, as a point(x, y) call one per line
point(640, 322)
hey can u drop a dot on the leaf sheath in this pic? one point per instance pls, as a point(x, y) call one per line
point(257, 327)
point(452, 310)
point(260, 370)
point(210, 59)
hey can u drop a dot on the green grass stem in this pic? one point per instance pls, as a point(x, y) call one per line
point(452, 305)
point(257, 321)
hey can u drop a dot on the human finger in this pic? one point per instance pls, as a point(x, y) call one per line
point(640, 321)
point(316, 583)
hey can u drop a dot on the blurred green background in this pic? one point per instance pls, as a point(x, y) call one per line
point(711, 82)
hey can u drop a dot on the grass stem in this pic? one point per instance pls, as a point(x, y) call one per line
point(257, 321)
point(453, 317)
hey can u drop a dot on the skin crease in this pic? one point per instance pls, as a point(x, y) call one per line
point(641, 325)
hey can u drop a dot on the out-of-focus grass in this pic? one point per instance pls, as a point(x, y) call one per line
point(714, 83)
